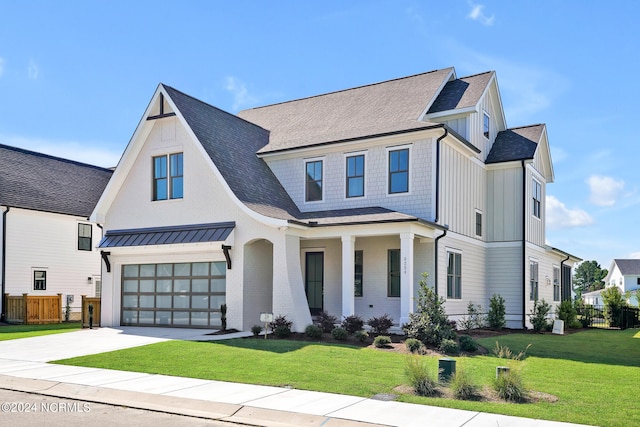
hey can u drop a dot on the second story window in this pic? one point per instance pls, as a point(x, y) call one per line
point(168, 182)
point(355, 176)
point(313, 184)
point(84, 237)
point(486, 125)
point(399, 171)
point(537, 198)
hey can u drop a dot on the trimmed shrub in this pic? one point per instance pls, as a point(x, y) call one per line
point(313, 331)
point(462, 385)
point(382, 341)
point(448, 346)
point(567, 313)
point(474, 319)
point(353, 324)
point(281, 326)
point(339, 333)
point(326, 321)
point(422, 380)
point(468, 344)
point(510, 387)
point(538, 315)
point(497, 312)
point(614, 302)
point(256, 329)
point(361, 335)
point(413, 345)
point(381, 324)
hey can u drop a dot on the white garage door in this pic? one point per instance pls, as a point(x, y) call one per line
point(184, 294)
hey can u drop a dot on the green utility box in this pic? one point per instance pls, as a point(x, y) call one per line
point(446, 368)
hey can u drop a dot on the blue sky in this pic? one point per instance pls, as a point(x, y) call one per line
point(76, 76)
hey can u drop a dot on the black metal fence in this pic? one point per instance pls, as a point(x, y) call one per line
point(618, 318)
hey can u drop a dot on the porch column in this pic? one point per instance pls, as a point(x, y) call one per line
point(348, 254)
point(406, 276)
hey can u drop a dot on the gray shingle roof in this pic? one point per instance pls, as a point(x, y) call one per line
point(232, 144)
point(515, 144)
point(36, 181)
point(461, 93)
point(628, 266)
point(387, 107)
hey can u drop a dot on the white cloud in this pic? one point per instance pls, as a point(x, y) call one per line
point(605, 190)
point(477, 14)
point(33, 70)
point(1, 66)
point(559, 216)
point(634, 255)
point(92, 153)
point(241, 96)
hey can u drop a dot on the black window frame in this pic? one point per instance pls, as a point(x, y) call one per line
point(396, 171)
point(176, 176)
point(478, 223)
point(358, 273)
point(39, 283)
point(486, 125)
point(355, 176)
point(534, 284)
point(312, 194)
point(556, 284)
point(393, 273)
point(454, 275)
point(168, 176)
point(85, 242)
point(536, 195)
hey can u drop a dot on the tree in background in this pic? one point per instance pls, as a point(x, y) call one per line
point(588, 277)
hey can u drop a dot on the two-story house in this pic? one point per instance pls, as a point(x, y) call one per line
point(48, 243)
point(337, 202)
point(625, 274)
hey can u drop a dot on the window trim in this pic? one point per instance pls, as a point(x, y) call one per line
point(82, 225)
point(534, 285)
point(43, 279)
point(537, 202)
point(557, 292)
point(169, 178)
point(408, 170)
point(392, 274)
point(363, 176)
point(455, 290)
point(356, 274)
point(486, 125)
point(478, 227)
point(307, 181)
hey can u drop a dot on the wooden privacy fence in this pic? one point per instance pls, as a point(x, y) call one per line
point(95, 302)
point(33, 309)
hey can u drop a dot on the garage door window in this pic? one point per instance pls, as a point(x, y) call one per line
point(181, 294)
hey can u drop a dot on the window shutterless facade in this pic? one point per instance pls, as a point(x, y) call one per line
point(486, 128)
point(537, 198)
point(478, 223)
point(556, 283)
point(533, 280)
point(393, 273)
point(168, 181)
point(84, 237)
point(357, 279)
point(355, 176)
point(399, 171)
point(39, 280)
point(313, 181)
point(454, 275)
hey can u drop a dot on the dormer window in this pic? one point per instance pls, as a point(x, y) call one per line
point(168, 182)
point(486, 125)
point(313, 183)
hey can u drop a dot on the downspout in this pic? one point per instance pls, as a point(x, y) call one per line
point(4, 260)
point(437, 208)
point(562, 279)
point(524, 245)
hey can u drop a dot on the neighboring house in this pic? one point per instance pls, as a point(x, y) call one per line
point(48, 243)
point(593, 298)
point(625, 274)
point(336, 202)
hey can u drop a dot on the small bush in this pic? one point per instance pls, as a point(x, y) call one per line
point(382, 341)
point(326, 321)
point(422, 380)
point(538, 315)
point(504, 352)
point(474, 319)
point(381, 324)
point(614, 303)
point(497, 311)
point(462, 385)
point(413, 345)
point(567, 313)
point(361, 335)
point(448, 346)
point(510, 387)
point(353, 324)
point(468, 344)
point(313, 331)
point(339, 333)
point(585, 313)
point(256, 329)
point(281, 326)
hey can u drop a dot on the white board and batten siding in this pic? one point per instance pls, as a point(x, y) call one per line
point(504, 278)
point(49, 242)
point(504, 200)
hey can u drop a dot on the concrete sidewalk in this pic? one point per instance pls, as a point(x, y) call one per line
point(23, 367)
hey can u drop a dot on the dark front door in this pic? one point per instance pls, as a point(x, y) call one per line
point(314, 280)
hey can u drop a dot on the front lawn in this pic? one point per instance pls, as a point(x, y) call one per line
point(594, 374)
point(12, 332)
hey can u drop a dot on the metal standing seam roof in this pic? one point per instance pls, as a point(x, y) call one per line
point(194, 233)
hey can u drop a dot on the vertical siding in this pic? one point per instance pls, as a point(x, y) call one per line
point(535, 226)
point(504, 216)
point(504, 277)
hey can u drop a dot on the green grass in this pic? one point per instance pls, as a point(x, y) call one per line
point(595, 374)
point(13, 332)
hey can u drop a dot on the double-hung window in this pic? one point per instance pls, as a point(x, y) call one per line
point(39, 280)
point(478, 223)
point(84, 237)
point(355, 176)
point(556, 283)
point(357, 279)
point(393, 273)
point(313, 183)
point(168, 177)
point(537, 198)
point(533, 280)
point(486, 128)
point(454, 275)
point(399, 171)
